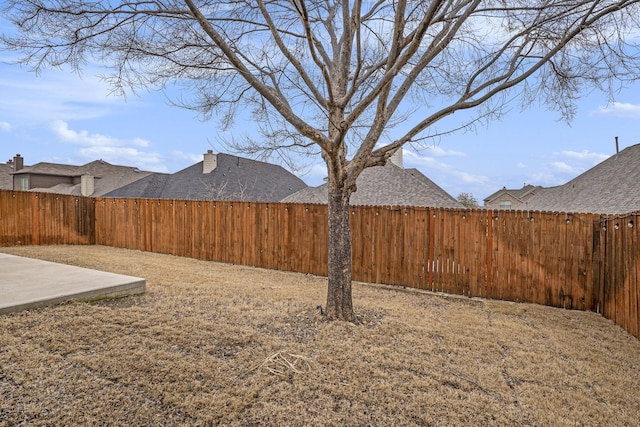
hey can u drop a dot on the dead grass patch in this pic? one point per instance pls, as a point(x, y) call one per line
point(216, 344)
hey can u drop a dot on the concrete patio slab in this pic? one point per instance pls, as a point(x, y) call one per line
point(27, 283)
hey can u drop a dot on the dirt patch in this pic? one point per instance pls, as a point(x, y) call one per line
point(216, 344)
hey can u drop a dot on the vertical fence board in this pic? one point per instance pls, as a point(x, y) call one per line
point(585, 272)
point(459, 252)
point(296, 240)
point(635, 278)
point(363, 256)
point(524, 255)
point(407, 274)
point(619, 273)
point(630, 302)
point(612, 263)
point(442, 251)
point(488, 266)
point(567, 289)
point(516, 263)
point(265, 238)
point(432, 244)
point(607, 280)
point(438, 242)
point(378, 244)
point(624, 303)
point(535, 218)
point(522, 269)
point(321, 239)
point(421, 248)
point(481, 222)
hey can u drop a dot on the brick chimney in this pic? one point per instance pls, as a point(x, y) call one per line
point(210, 162)
point(18, 162)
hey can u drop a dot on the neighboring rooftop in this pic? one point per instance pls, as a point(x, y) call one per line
point(610, 187)
point(92, 179)
point(218, 177)
point(511, 198)
point(389, 185)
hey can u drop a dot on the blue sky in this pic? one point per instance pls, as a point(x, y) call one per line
point(62, 118)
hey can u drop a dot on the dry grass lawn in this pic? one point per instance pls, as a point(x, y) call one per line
point(216, 344)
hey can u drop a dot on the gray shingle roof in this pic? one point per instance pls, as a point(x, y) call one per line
point(518, 193)
point(610, 187)
point(234, 178)
point(46, 168)
point(386, 185)
point(107, 176)
point(149, 187)
point(6, 181)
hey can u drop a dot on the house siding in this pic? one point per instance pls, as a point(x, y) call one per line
point(40, 181)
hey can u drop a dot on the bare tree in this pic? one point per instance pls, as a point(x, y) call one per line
point(468, 200)
point(353, 80)
point(214, 191)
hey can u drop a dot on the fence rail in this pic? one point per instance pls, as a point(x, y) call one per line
point(575, 261)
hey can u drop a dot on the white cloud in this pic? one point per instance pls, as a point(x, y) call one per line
point(521, 165)
point(113, 150)
point(585, 156)
point(620, 109)
point(429, 165)
point(546, 178)
point(190, 157)
point(83, 137)
point(5, 126)
point(469, 178)
point(411, 158)
point(565, 168)
point(440, 152)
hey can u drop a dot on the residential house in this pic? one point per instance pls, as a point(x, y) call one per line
point(92, 179)
point(390, 185)
point(218, 177)
point(6, 181)
point(511, 199)
point(610, 187)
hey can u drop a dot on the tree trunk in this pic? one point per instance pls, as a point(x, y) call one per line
point(339, 302)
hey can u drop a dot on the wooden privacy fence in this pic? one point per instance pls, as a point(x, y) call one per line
point(45, 219)
point(575, 261)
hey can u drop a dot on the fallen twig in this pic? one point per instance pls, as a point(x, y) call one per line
point(282, 363)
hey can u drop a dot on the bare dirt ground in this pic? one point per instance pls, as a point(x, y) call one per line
point(216, 344)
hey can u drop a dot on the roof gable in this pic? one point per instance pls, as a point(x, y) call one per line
point(386, 185)
point(518, 194)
